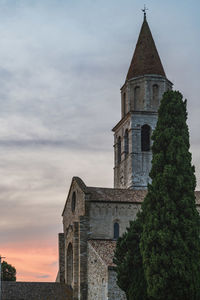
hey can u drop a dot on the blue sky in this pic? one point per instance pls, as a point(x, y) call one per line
point(62, 64)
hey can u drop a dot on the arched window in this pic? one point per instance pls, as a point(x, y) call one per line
point(145, 137)
point(69, 264)
point(116, 230)
point(73, 203)
point(126, 143)
point(119, 150)
point(137, 98)
point(155, 98)
point(124, 104)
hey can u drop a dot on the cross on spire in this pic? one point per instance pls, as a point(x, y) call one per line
point(144, 11)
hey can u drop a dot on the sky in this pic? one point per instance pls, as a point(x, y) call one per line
point(62, 64)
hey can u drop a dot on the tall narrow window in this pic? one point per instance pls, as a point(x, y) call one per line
point(69, 264)
point(145, 137)
point(103, 291)
point(73, 203)
point(124, 104)
point(116, 230)
point(137, 98)
point(119, 150)
point(126, 143)
point(155, 98)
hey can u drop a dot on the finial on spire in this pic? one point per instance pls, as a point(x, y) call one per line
point(144, 11)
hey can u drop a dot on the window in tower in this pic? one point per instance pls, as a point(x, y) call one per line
point(124, 104)
point(145, 137)
point(137, 98)
point(126, 142)
point(116, 230)
point(119, 150)
point(155, 98)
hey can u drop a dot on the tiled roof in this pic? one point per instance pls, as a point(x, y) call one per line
point(105, 249)
point(146, 59)
point(98, 194)
point(116, 195)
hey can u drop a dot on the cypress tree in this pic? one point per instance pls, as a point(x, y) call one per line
point(170, 244)
point(128, 260)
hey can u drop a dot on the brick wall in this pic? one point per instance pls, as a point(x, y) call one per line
point(35, 291)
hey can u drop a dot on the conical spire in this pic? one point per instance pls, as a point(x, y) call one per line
point(146, 59)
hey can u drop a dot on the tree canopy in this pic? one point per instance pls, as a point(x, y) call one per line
point(8, 272)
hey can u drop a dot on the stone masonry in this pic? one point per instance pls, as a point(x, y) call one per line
point(35, 291)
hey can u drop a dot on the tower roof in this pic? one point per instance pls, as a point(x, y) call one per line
point(145, 59)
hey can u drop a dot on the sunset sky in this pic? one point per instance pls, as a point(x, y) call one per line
point(62, 64)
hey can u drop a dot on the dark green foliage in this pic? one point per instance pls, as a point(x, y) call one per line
point(130, 274)
point(170, 244)
point(8, 272)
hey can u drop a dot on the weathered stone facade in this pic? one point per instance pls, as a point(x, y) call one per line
point(97, 275)
point(90, 214)
point(114, 292)
point(101, 276)
point(35, 291)
point(103, 216)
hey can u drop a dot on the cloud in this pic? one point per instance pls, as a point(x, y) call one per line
point(42, 276)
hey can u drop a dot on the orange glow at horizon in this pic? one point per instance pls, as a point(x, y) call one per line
point(32, 263)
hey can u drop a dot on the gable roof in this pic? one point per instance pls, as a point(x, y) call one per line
point(75, 180)
point(100, 194)
point(145, 59)
point(115, 195)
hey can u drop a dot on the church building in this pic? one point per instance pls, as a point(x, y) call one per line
point(94, 217)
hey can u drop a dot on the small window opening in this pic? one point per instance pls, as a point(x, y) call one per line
point(73, 201)
point(116, 230)
point(145, 138)
point(155, 95)
point(126, 142)
point(124, 104)
point(119, 151)
point(136, 97)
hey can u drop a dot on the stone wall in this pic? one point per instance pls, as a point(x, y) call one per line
point(61, 252)
point(35, 291)
point(110, 213)
point(83, 250)
point(97, 276)
point(133, 169)
point(69, 216)
point(114, 292)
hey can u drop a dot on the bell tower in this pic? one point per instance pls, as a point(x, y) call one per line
point(140, 98)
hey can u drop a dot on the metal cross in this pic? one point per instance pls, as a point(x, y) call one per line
point(144, 11)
